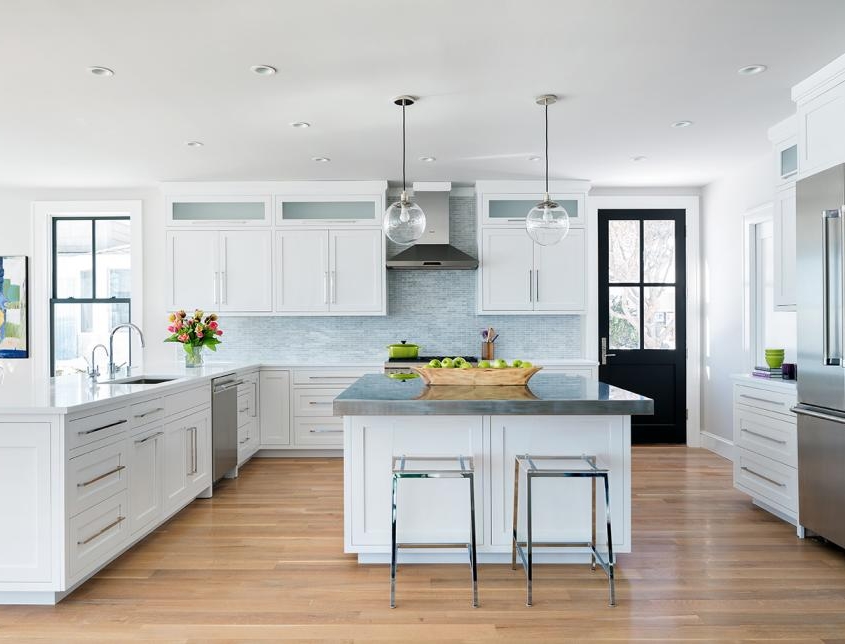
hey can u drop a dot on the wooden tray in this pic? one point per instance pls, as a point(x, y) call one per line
point(477, 392)
point(507, 376)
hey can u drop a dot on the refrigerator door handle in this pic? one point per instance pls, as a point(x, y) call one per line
point(801, 409)
point(827, 358)
point(841, 302)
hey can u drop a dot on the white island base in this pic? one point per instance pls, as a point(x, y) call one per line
point(437, 510)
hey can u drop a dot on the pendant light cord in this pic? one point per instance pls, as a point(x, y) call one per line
point(403, 148)
point(547, 147)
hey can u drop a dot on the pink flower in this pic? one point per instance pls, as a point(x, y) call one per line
point(177, 326)
point(213, 325)
point(183, 337)
point(219, 332)
point(171, 328)
point(199, 334)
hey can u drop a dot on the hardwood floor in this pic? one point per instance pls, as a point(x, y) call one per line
point(263, 561)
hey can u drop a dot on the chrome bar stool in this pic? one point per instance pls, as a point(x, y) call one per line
point(433, 467)
point(560, 467)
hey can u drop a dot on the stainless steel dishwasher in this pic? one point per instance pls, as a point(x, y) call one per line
point(224, 426)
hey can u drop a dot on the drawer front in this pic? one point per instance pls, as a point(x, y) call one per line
point(768, 480)
point(107, 424)
point(95, 476)
point(337, 376)
point(776, 401)
point(185, 400)
point(147, 412)
point(314, 402)
point(247, 434)
point(767, 435)
point(321, 432)
point(97, 533)
point(247, 409)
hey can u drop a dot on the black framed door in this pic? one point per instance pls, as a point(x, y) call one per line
point(642, 315)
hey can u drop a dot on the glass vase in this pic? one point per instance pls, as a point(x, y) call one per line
point(193, 356)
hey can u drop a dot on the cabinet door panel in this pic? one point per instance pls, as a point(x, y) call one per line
point(199, 451)
point(356, 265)
point(274, 402)
point(507, 270)
point(175, 464)
point(192, 266)
point(822, 128)
point(560, 274)
point(246, 271)
point(146, 463)
point(302, 271)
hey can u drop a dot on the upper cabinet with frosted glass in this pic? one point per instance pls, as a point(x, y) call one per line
point(218, 210)
point(507, 203)
point(326, 210)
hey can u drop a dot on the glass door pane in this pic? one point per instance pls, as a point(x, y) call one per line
point(332, 210)
point(624, 251)
point(659, 322)
point(659, 251)
point(624, 317)
point(218, 211)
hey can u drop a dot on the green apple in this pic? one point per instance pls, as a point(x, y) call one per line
point(516, 363)
point(435, 364)
point(458, 361)
point(484, 364)
point(447, 363)
point(526, 365)
point(499, 364)
point(465, 365)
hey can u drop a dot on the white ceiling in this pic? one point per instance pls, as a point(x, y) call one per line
point(626, 69)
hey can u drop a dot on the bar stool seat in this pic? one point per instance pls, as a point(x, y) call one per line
point(433, 467)
point(560, 467)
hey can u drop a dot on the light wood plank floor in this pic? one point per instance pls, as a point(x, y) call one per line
point(263, 560)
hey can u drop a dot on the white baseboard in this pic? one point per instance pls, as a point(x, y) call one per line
point(298, 453)
point(718, 444)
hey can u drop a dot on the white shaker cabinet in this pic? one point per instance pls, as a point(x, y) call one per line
point(220, 270)
point(330, 271)
point(518, 275)
point(784, 255)
point(187, 461)
point(146, 467)
point(274, 405)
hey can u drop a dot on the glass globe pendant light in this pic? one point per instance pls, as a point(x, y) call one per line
point(404, 221)
point(547, 222)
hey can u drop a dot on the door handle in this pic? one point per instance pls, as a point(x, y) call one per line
point(604, 354)
point(530, 285)
point(827, 215)
point(325, 287)
point(537, 285)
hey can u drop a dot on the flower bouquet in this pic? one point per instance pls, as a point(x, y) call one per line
point(194, 333)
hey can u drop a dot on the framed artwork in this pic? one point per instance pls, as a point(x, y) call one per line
point(14, 330)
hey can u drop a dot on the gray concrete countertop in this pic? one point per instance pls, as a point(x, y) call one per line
point(549, 394)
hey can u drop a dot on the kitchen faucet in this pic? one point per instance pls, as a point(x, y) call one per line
point(93, 371)
point(126, 325)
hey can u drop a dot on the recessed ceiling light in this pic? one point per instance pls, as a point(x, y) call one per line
point(428, 159)
point(321, 159)
point(681, 123)
point(96, 70)
point(750, 70)
point(300, 124)
point(535, 158)
point(638, 159)
point(263, 70)
point(195, 144)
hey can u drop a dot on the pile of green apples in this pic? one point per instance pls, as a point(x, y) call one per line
point(460, 363)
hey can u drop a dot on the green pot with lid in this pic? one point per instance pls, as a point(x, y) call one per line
point(403, 350)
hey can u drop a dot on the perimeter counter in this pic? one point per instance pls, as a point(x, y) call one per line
point(555, 414)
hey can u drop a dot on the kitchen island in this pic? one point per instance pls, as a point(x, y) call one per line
point(554, 414)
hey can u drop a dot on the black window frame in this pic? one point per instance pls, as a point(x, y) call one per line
point(54, 300)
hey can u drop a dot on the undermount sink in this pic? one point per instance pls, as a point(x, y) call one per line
point(140, 380)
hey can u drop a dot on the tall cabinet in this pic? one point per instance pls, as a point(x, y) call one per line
point(784, 138)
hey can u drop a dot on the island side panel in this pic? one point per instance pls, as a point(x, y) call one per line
point(430, 510)
point(562, 507)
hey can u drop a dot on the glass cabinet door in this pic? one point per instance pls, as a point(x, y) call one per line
point(190, 211)
point(311, 210)
point(788, 161)
point(512, 209)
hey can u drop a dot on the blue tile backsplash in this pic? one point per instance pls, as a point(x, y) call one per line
point(435, 309)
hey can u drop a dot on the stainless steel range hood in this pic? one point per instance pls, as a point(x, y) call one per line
point(433, 251)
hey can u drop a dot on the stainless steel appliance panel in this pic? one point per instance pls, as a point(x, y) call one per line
point(820, 241)
point(821, 472)
point(224, 426)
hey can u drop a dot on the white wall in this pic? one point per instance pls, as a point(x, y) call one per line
point(723, 204)
point(16, 238)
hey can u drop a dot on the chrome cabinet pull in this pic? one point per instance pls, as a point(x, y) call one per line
point(765, 400)
point(324, 430)
point(530, 285)
point(147, 413)
point(99, 429)
point(325, 287)
point(150, 437)
point(537, 285)
point(314, 402)
point(111, 525)
point(332, 377)
point(193, 448)
point(224, 286)
point(119, 468)
point(333, 282)
point(214, 286)
point(768, 438)
point(761, 476)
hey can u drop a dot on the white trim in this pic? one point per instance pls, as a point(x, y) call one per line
point(750, 219)
point(718, 444)
point(690, 204)
point(42, 265)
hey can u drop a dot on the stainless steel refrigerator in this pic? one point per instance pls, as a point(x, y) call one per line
point(820, 242)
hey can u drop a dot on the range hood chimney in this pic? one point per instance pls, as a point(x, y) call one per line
point(433, 251)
